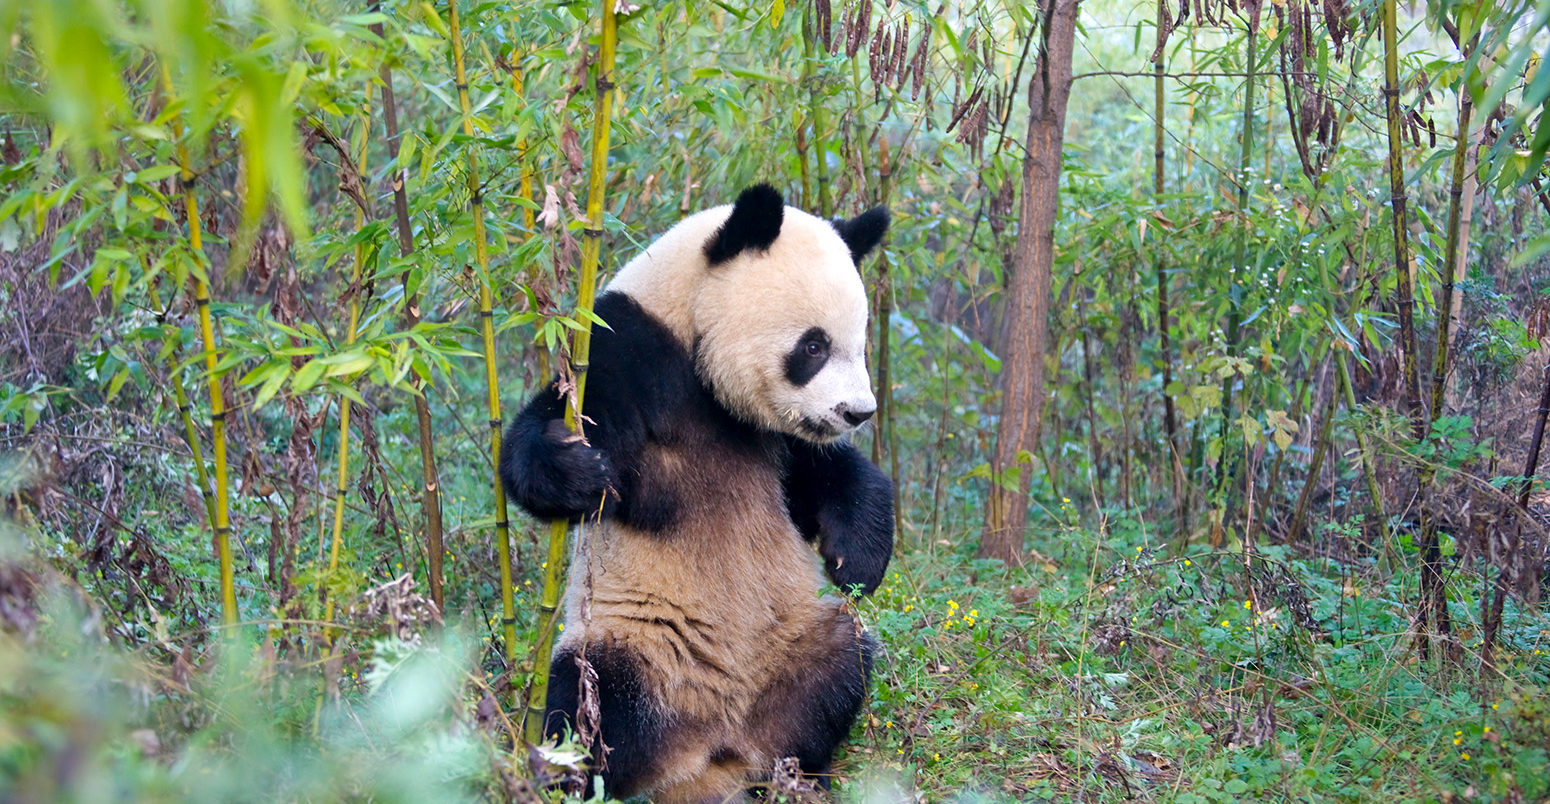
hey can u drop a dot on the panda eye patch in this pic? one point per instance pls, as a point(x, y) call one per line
point(807, 357)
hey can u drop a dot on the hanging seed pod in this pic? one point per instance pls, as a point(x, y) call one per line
point(855, 30)
point(872, 53)
point(960, 112)
point(1334, 22)
point(920, 65)
point(1431, 133)
point(1309, 49)
point(1178, 19)
point(823, 13)
point(863, 20)
point(901, 40)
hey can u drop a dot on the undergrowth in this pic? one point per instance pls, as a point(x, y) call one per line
point(1104, 670)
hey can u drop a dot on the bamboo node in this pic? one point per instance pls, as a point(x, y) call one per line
point(495, 424)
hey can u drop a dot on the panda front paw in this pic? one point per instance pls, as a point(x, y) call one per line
point(555, 474)
point(858, 572)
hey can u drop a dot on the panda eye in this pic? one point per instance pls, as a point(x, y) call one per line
point(814, 349)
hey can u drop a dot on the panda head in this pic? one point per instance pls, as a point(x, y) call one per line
point(770, 300)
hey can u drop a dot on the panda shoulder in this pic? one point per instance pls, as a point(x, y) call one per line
point(635, 360)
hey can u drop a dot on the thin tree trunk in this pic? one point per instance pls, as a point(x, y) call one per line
point(430, 491)
point(581, 348)
point(1017, 432)
point(1299, 516)
point(1433, 607)
point(1235, 313)
point(1535, 442)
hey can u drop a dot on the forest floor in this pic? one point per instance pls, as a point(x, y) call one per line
point(1106, 669)
point(1174, 679)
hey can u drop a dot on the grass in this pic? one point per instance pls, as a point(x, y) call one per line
point(1107, 669)
point(1119, 673)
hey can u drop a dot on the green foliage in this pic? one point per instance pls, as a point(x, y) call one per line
point(1120, 662)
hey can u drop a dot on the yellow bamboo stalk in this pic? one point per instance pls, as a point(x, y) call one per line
point(356, 271)
point(186, 413)
point(581, 349)
point(198, 282)
point(487, 326)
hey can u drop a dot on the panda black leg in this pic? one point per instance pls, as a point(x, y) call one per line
point(809, 712)
point(629, 727)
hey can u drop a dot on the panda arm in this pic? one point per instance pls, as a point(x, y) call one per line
point(637, 378)
point(838, 497)
point(549, 471)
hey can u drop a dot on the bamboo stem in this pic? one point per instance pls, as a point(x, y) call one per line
point(1170, 417)
point(199, 283)
point(885, 407)
point(815, 109)
point(487, 331)
point(581, 348)
point(357, 270)
point(430, 492)
point(186, 413)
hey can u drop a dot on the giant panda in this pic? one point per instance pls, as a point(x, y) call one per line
point(717, 402)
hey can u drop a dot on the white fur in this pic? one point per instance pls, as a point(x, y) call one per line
point(747, 314)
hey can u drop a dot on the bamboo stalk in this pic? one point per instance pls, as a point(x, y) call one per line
point(1170, 417)
point(1535, 442)
point(885, 407)
point(186, 414)
point(581, 348)
point(1299, 516)
point(200, 286)
point(1451, 262)
point(815, 108)
point(487, 328)
point(430, 492)
point(343, 461)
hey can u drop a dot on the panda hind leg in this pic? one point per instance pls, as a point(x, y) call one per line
point(630, 725)
point(809, 711)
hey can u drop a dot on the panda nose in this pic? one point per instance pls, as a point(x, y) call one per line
point(856, 417)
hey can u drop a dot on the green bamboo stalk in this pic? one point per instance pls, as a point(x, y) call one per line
point(815, 108)
point(1450, 262)
point(885, 407)
point(1170, 417)
point(200, 287)
point(581, 349)
point(357, 269)
point(430, 492)
point(487, 327)
point(186, 413)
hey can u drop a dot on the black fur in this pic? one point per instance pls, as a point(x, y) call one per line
point(817, 706)
point(549, 471)
point(836, 495)
point(863, 232)
point(807, 357)
point(643, 390)
point(628, 723)
point(641, 386)
point(754, 224)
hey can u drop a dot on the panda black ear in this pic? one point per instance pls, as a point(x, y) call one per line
point(754, 224)
point(863, 232)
